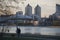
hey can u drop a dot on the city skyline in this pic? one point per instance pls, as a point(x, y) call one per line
point(48, 7)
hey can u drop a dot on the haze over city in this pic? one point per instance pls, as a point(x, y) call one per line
point(48, 7)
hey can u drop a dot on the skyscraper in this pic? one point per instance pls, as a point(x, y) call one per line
point(38, 11)
point(28, 10)
point(57, 10)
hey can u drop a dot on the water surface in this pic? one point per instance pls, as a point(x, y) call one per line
point(35, 30)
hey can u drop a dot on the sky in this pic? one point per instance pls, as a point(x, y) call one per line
point(48, 7)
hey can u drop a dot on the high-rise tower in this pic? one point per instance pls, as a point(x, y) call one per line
point(38, 11)
point(28, 10)
point(57, 10)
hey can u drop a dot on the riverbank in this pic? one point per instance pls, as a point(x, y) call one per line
point(27, 36)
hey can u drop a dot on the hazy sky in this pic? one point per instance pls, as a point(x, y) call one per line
point(48, 7)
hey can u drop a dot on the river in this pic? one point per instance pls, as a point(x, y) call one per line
point(35, 30)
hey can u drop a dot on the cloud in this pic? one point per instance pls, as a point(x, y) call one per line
point(9, 6)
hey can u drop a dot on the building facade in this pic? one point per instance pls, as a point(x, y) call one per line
point(38, 11)
point(57, 11)
point(57, 8)
point(28, 10)
point(19, 13)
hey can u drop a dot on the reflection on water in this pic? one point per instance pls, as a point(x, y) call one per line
point(36, 30)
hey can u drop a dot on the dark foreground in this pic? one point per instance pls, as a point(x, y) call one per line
point(28, 37)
